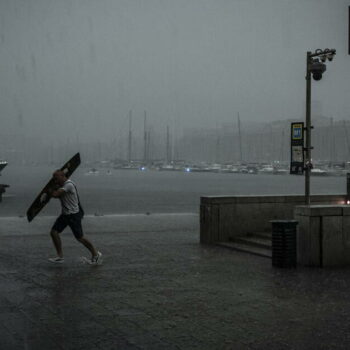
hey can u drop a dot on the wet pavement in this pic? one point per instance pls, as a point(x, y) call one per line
point(158, 288)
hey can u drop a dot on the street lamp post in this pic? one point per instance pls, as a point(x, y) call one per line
point(314, 66)
point(308, 127)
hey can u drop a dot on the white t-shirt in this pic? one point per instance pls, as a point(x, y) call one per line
point(69, 200)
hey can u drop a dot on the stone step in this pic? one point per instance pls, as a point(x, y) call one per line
point(247, 248)
point(256, 241)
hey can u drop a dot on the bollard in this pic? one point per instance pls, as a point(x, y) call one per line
point(284, 243)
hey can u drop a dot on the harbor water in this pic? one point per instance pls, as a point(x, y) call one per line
point(111, 191)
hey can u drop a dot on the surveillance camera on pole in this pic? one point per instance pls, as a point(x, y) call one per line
point(317, 69)
point(330, 56)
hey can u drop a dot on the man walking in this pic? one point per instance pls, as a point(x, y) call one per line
point(71, 216)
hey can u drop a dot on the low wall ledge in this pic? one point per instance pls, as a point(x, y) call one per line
point(323, 210)
point(248, 199)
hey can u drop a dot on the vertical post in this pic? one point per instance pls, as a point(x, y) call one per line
point(282, 147)
point(240, 139)
point(167, 145)
point(145, 139)
point(347, 137)
point(308, 128)
point(130, 138)
point(347, 187)
point(149, 153)
point(217, 146)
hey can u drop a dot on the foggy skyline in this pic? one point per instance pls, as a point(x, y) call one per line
point(74, 69)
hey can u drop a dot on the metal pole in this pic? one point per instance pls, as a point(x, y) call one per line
point(308, 129)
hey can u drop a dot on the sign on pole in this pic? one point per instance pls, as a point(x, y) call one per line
point(297, 149)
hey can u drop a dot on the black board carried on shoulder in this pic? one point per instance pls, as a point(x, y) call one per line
point(43, 197)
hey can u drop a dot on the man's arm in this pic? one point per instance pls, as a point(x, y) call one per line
point(57, 193)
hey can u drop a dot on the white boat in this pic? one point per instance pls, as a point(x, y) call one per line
point(3, 163)
point(93, 171)
point(280, 171)
point(318, 172)
point(266, 170)
point(167, 167)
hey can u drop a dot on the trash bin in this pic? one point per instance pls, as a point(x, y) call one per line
point(284, 251)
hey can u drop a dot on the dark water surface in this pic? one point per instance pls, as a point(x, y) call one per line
point(133, 191)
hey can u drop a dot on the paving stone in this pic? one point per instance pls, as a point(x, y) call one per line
point(163, 290)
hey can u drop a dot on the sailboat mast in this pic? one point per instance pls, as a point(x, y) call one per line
point(282, 147)
point(129, 138)
point(217, 146)
point(167, 145)
point(332, 155)
point(240, 139)
point(347, 138)
point(145, 138)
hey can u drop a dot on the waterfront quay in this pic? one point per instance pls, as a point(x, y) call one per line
point(159, 288)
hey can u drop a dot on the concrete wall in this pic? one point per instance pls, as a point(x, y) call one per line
point(222, 217)
point(323, 235)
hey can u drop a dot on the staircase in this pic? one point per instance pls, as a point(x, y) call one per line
point(257, 243)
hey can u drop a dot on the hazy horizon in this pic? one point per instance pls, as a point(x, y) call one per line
point(74, 69)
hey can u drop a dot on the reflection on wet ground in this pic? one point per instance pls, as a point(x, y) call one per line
point(163, 290)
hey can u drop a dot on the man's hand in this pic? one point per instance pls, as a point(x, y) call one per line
point(45, 197)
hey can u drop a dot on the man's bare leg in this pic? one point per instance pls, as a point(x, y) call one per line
point(88, 245)
point(56, 239)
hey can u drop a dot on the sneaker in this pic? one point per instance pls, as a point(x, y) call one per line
point(96, 260)
point(57, 260)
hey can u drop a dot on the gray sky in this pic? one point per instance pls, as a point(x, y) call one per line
point(79, 66)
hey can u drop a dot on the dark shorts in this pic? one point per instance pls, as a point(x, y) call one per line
point(71, 220)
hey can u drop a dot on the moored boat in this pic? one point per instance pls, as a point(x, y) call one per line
point(3, 163)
